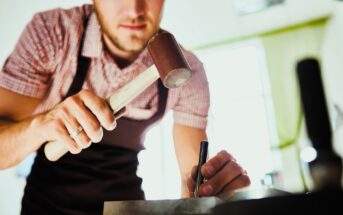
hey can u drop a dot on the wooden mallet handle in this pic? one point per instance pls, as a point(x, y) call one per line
point(170, 66)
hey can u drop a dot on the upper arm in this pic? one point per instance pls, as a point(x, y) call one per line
point(26, 74)
point(193, 101)
point(16, 107)
point(190, 117)
point(29, 68)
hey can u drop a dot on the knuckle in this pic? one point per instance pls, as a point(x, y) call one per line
point(94, 127)
point(58, 126)
point(84, 92)
point(219, 160)
point(236, 167)
point(68, 100)
point(83, 140)
point(58, 112)
point(100, 105)
point(224, 155)
point(245, 180)
point(71, 101)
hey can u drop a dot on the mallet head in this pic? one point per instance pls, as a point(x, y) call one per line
point(169, 60)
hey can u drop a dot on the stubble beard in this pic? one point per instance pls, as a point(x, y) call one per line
point(128, 43)
point(132, 44)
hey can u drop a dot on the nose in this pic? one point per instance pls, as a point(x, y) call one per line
point(136, 8)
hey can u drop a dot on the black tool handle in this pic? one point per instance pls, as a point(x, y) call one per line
point(202, 160)
point(326, 168)
point(314, 104)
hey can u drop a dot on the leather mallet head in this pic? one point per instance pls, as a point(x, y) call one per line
point(169, 60)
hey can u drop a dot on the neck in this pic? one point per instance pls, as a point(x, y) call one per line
point(123, 58)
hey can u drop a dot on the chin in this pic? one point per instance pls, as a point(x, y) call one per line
point(135, 44)
point(130, 46)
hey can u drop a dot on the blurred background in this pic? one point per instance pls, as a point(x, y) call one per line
point(250, 49)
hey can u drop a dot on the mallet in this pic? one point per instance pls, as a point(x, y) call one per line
point(169, 64)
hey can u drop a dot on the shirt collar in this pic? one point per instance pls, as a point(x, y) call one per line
point(93, 46)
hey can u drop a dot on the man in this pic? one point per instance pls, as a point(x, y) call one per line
point(55, 82)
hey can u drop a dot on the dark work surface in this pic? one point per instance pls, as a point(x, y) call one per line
point(249, 202)
point(199, 206)
point(323, 202)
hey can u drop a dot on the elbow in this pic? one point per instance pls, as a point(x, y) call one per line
point(6, 163)
point(4, 166)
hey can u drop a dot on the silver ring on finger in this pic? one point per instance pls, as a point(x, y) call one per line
point(76, 132)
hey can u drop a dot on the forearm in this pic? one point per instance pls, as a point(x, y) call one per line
point(187, 159)
point(187, 144)
point(17, 140)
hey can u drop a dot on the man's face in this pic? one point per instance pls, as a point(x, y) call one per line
point(129, 24)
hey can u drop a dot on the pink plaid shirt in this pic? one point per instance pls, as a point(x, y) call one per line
point(43, 65)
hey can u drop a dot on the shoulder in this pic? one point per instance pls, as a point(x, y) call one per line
point(195, 63)
point(199, 76)
point(63, 18)
point(192, 59)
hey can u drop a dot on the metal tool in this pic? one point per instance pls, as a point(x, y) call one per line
point(202, 161)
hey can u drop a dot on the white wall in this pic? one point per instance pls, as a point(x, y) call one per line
point(333, 71)
point(199, 22)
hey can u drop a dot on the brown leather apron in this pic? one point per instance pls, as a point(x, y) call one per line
point(79, 184)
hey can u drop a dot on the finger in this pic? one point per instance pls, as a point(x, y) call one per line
point(215, 164)
point(239, 182)
point(72, 146)
point(82, 140)
point(75, 108)
point(69, 126)
point(225, 176)
point(99, 108)
point(62, 135)
point(120, 113)
point(89, 123)
point(86, 119)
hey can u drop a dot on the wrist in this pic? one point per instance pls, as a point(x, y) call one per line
point(35, 130)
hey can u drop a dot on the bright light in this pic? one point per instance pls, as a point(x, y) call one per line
point(308, 154)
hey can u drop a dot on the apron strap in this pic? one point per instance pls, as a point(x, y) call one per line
point(82, 68)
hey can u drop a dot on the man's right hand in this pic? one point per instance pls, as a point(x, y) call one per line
point(85, 110)
point(22, 133)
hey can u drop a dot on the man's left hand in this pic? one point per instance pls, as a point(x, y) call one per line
point(223, 175)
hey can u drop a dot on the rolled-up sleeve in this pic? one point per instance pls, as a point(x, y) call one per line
point(193, 102)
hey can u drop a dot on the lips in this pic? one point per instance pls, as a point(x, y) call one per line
point(133, 27)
